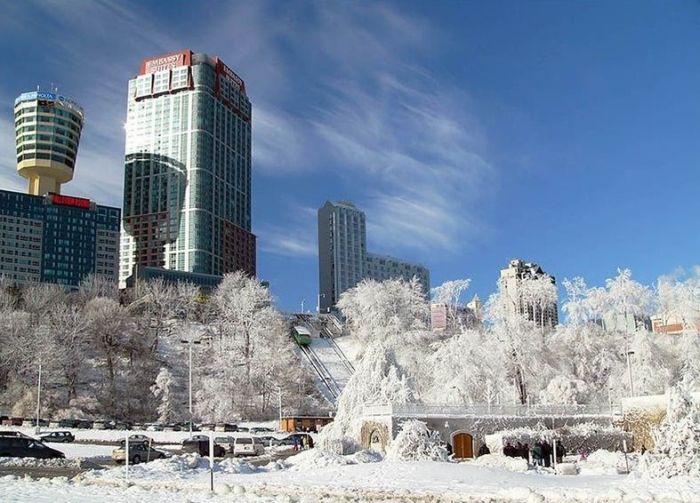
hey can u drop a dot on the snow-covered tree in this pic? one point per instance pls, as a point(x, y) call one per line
point(677, 439)
point(163, 391)
point(415, 442)
point(390, 318)
point(565, 391)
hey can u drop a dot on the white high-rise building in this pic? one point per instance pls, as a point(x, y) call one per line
point(343, 257)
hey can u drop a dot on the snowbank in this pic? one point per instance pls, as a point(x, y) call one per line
point(39, 463)
point(603, 462)
point(314, 459)
point(504, 462)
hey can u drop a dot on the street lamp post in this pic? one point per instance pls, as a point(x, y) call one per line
point(279, 403)
point(629, 372)
point(189, 342)
point(38, 402)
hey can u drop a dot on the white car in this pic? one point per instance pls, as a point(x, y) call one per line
point(248, 446)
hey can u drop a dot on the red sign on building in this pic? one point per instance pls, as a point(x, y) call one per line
point(167, 61)
point(76, 202)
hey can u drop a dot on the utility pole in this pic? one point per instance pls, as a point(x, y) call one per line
point(37, 429)
point(190, 383)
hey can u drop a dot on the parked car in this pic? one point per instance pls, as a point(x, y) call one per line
point(225, 442)
point(16, 445)
point(244, 429)
point(154, 427)
point(26, 423)
point(260, 429)
point(207, 427)
point(138, 452)
point(101, 425)
point(121, 425)
point(13, 421)
point(58, 436)
point(198, 438)
point(201, 447)
point(135, 439)
point(248, 446)
point(266, 440)
point(54, 423)
point(172, 427)
point(226, 427)
point(84, 424)
point(69, 423)
point(289, 439)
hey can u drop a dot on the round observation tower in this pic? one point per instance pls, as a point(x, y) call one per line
point(47, 133)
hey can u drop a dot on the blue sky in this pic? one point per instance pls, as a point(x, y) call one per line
point(470, 132)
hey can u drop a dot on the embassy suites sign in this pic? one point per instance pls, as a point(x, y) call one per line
point(166, 62)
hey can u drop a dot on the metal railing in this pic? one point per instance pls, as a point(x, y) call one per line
point(485, 409)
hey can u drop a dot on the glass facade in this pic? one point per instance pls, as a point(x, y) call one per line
point(187, 179)
point(56, 239)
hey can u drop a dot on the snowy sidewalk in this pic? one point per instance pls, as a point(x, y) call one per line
point(317, 477)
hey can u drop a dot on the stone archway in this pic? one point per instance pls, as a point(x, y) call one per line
point(462, 445)
point(374, 436)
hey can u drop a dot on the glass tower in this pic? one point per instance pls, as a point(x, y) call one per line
point(187, 178)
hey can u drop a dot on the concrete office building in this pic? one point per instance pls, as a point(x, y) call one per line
point(47, 133)
point(56, 239)
point(187, 178)
point(511, 281)
point(343, 258)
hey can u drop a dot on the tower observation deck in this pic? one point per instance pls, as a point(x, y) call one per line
point(47, 133)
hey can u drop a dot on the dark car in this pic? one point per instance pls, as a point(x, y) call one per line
point(138, 452)
point(201, 447)
point(58, 436)
point(84, 424)
point(13, 444)
point(226, 427)
point(68, 423)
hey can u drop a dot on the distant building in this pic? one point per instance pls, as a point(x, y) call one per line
point(47, 133)
point(443, 317)
point(205, 282)
point(624, 323)
point(56, 239)
point(343, 258)
point(187, 176)
point(383, 267)
point(511, 281)
point(674, 325)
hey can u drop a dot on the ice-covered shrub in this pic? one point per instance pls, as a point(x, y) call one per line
point(415, 442)
point(677, 439)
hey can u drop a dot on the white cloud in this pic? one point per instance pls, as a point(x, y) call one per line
point(339, 90)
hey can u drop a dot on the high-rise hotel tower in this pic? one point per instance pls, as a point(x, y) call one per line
point(47, 132)
point(187, 179)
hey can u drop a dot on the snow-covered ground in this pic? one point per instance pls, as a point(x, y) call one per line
point(317, 476)
point(84, 451)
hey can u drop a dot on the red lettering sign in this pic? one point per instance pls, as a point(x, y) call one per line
point(222, 69)
point(166, 62)
point(76, 202)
